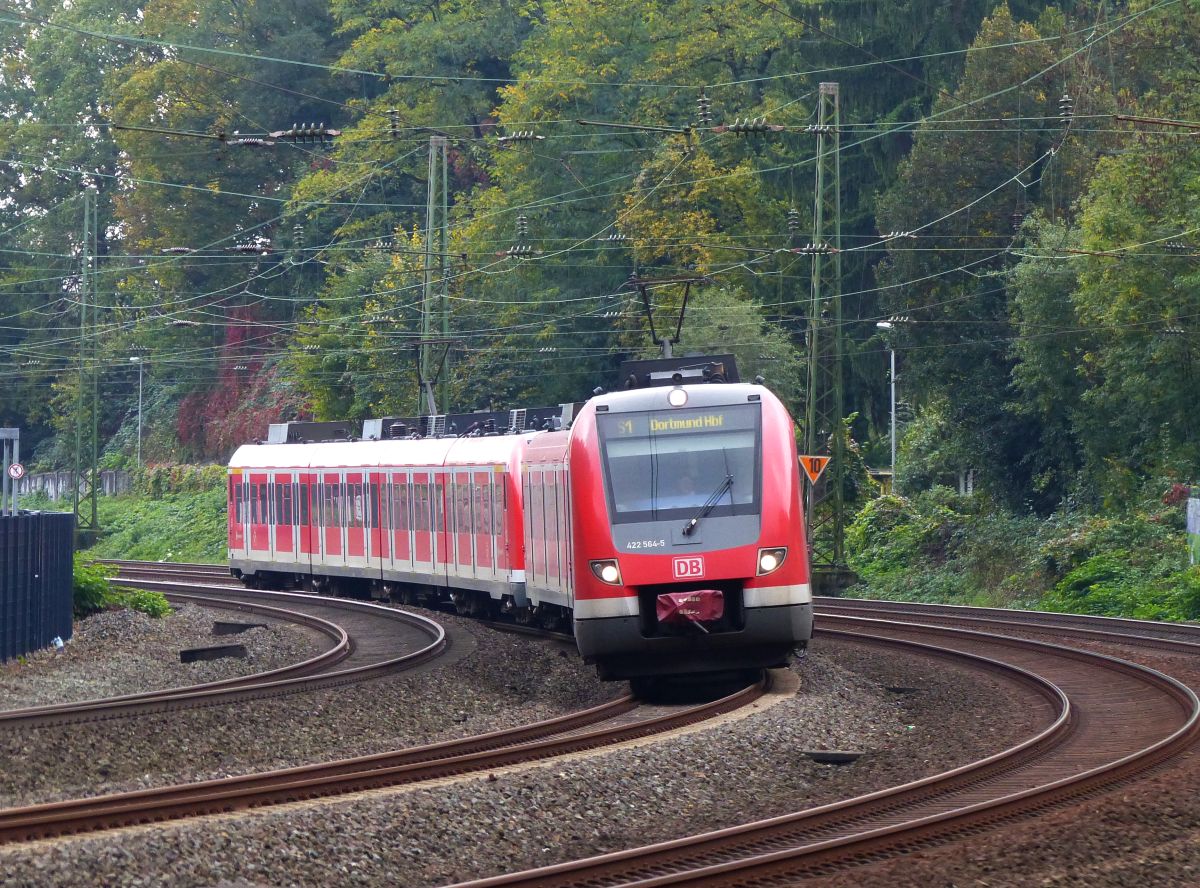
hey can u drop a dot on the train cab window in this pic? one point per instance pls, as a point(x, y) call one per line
point(667, 465)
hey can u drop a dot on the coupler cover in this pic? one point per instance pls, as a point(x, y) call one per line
point(697, 606)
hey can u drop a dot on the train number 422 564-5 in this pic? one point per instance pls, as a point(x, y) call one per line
point(645, 544)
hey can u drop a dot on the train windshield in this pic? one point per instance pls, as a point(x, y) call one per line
point(670, 465)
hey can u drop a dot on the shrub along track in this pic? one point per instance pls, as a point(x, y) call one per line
point(1112, 721)
point(365, 642)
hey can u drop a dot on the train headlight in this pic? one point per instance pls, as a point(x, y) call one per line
point(676, 397)
point(770, 560)
point(607, 571)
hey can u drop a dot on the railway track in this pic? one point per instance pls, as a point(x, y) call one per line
point(365, 642)
point(1107, 721)
point(1110, 720)
point(615, 722)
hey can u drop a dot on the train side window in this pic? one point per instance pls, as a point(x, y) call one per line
point(304, 505)
point(405, 523)
point(374, 514)
point(420, 513)
point(253, 503)
point(235, 500)
point(264, 513)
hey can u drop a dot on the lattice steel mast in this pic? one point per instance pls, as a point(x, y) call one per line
point(826, 398)
point(87, 419)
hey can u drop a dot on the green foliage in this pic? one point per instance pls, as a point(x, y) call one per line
point(158, 481)
point(169, 527)
point(939, 546)
point(154, 604)
point(94, 591)
point(91, 585)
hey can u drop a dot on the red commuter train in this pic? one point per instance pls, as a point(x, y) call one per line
point(664, 526)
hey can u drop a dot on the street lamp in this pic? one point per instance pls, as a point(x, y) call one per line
point(888, 325)
point(137, 359)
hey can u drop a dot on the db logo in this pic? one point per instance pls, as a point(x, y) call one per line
point(689, 568)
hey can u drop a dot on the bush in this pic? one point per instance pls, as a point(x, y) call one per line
point(940, 546)
point(91, 589)
point(94, 592)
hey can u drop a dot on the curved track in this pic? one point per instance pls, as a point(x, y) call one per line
point(1109, 720)
point(365, 641)
point(615, 722)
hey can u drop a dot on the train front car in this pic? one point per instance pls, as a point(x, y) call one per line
point(694, 558)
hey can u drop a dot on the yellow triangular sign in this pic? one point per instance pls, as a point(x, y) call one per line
point(813, 466)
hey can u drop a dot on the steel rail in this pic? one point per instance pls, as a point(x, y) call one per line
point(1116, 630)
point(1013, 783)
point(310, 674)
point(542, 740)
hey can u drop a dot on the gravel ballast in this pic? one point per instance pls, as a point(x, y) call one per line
point(480, 826)
point(127, 652)
point(489, 680)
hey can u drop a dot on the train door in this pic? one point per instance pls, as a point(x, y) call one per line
point(260, 543)
point(550, 490)
point(567, 549)
point(379, 519)
point(505, 556)
point(464, 525)
point(401, 521)
point(355, 520)
point(309, 527)
point(284, 526)
point(422, 515)
point(441, 534)
point(236, 514)
point(485, 540)
point(333, 550)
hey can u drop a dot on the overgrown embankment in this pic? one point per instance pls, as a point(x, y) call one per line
point(173, 513)
point(939, 546)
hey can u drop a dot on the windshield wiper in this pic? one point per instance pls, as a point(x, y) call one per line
point(709, 504)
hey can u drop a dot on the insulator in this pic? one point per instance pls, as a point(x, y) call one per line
point(1017, 220)
point(176, 251)
point(617, 237)
point(793, 220)
point(521, 136)
point(252, 142)
point(704, 110)
point(522, 225)
point(1066, 106)
point(823, 129)
point(394, 123)
point(892, 235)
point(545, 350)
point(1177, 246)
point(1172, 330)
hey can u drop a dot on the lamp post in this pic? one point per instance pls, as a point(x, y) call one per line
point(887, 325)
point(137, 359)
